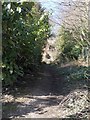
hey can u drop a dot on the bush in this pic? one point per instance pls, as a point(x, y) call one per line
point(81, 73)
point(24, 27)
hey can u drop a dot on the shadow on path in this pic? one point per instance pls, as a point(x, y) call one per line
point(41, 95)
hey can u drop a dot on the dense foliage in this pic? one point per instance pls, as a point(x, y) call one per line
point(25, 28)
point(73, 42)
point(67, 46)
point(74, 33)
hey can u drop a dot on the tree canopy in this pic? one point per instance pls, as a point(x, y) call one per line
point(25, 28)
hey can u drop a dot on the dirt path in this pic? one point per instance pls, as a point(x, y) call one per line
point(50, 96)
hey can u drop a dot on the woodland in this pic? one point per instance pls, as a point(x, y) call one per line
point(33, 87)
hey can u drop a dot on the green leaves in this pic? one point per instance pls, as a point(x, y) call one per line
point(23, 38)
point(69, 48)
point(80, 74)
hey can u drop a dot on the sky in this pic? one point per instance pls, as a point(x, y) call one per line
point(54, 8)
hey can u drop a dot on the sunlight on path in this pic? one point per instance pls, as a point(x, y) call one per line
point(51, 97)
point(48, 106)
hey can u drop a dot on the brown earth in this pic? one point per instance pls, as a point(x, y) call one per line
point(48, 95)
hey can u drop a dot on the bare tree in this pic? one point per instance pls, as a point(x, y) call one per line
point(74, 17)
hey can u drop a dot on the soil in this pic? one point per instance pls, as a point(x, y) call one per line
point(47, 95)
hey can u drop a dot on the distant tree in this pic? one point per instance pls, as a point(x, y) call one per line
point(74, 29)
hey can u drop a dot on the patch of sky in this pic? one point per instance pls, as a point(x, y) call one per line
point(54, 7)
